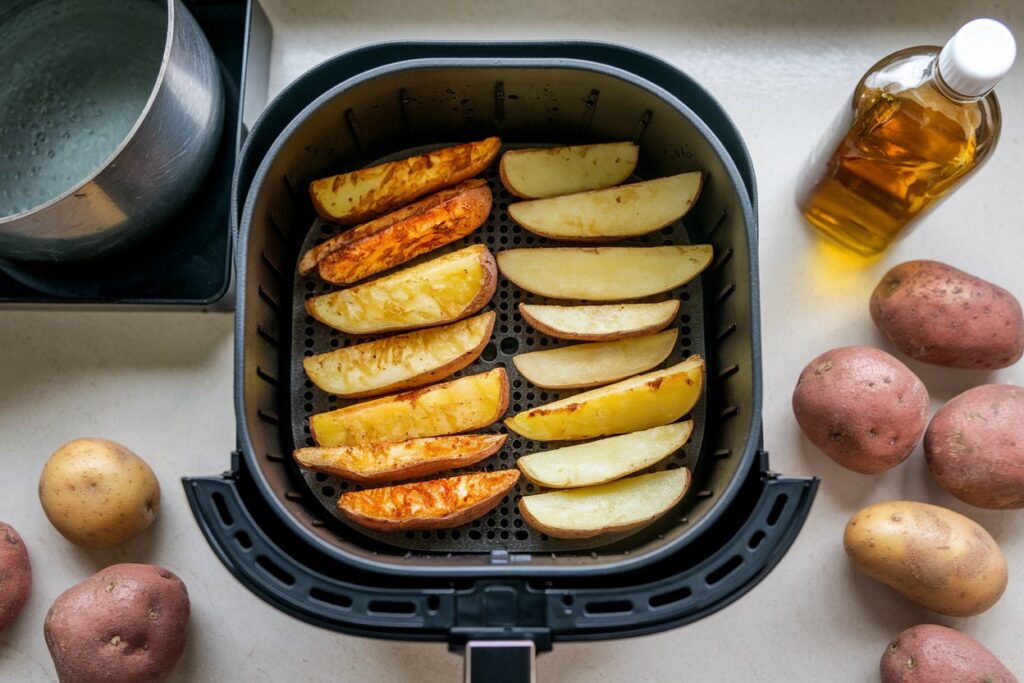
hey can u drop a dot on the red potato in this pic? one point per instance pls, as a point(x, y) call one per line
point(938, 314)
point(975, 446)
point(124, 624)
point(862, 407)
point(930, 653)
point(15, 575)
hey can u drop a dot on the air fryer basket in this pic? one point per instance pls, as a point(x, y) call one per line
point(401, 107)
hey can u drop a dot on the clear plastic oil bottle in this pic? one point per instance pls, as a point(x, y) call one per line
point(921, 120)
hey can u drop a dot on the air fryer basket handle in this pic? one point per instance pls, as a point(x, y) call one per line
point(501, 661)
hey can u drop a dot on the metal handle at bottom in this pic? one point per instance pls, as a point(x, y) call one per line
point(501, 661)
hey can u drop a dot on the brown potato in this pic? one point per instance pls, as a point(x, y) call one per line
point(15, 575)
point(938, 314)
point(397, 460)
point(422, 505)
point(930, 653)
point(861, 407)
point(401, 235)
point(351, 198)
point(975, 446)
point(97, 493)
point(125, 623)
point(934, 556)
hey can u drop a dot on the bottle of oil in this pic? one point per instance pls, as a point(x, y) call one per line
point(921, 120)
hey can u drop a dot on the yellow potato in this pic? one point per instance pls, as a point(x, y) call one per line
point(642, 402)
point(936, 557)
point(553, 171)
point(604, 322)
point(97, 493)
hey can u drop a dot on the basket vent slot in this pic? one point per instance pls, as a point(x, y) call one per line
point(243, 540)
point(670, 597)
point(222, 509)
point(777, 508)
point(755, 539)
point(609, 607)
point(730, 565)
point(270, 567)
point(392, 606)
point(336, 599)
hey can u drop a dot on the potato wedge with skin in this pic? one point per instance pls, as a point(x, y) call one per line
point(402, 235)
point(603, 273)
point(590, 365)
point(604, 322)
point(618, 506)
point(552, 171)
point(423, 505)
point(612, 213)
point(354, 197)
point(404, 361)
point(642, 402)
point(442, 290)
point(604, 460)
point(460, 405)
point(398, 460)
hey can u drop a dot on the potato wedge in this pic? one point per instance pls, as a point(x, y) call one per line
point(612, 213)
point(459, 405)
point(400, 362)
point(552, 171)
point(354, 197)
point(603, 273)
point(590, 365)
point(397, 460)
point(442, 290)
point(604, 322)
point(436, 504)
point(619, 506)
point(642, 402)
point(401, 235)
point(604, 460)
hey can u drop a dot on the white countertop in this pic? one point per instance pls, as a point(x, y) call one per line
point(161, 383)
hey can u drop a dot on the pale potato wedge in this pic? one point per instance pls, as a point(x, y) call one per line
point(604, 460)
point(441, 290)
point(552, 171)
point(459, 405)
point(618, 506)
point(422, 505)
point(641, 402)
point(603, 273)
point(612, 213)
point(400, 362)
point(401, 235)
point(590, 365)
point(355, 197)
point(397, 460)
point(603, 322)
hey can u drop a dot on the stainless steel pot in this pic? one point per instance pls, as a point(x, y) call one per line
point(110, 115)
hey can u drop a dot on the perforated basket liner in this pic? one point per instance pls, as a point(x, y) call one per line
point(503, 528)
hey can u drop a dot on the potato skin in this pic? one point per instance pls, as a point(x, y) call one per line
point(938, 314)
point(862, 407)
point(98, 493)
point(930, 653)
point(934, 556)
point(126, 623)
point(15, 575)
point(975, 446)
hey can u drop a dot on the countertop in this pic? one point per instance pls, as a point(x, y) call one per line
point(161, 383)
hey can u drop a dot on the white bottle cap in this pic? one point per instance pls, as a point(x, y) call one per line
point(976, 57)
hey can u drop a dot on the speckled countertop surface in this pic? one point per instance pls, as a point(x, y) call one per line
point(162, 383)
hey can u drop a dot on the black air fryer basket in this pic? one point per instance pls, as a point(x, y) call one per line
point(494, 584)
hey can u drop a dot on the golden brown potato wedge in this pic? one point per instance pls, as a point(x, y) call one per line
point(590, 365)
point(421, 505)
point(612, 213)
point(552, 171)
point(459, 405)
point(397, 460)
point(604, 460)
point(442, 290)
point(618, 506)
point(603, 273)
point(401, 235)
point(641, 402)
point(354, 197)
point(400, 362)
point(604, 322)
